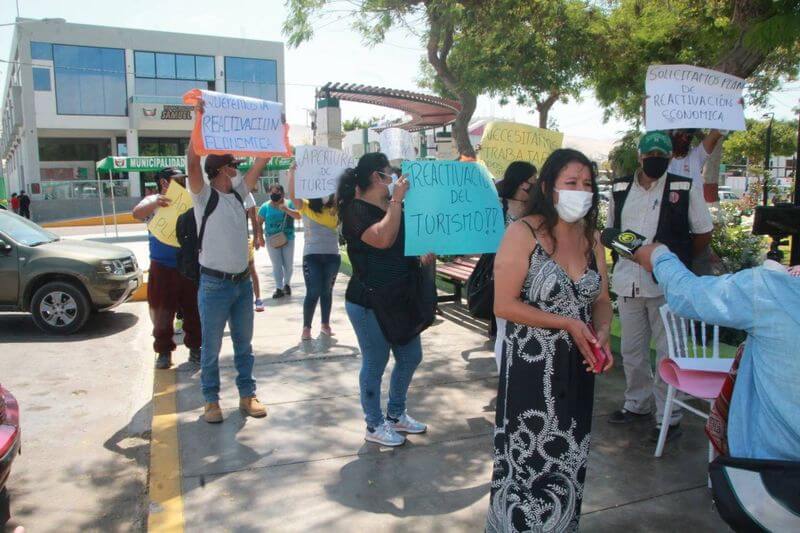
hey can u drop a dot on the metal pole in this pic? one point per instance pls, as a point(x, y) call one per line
point(767, 154)
point(100, 196)
point(113, 203)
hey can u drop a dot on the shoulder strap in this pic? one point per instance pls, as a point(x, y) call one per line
point(213, 200)
point(533, 232)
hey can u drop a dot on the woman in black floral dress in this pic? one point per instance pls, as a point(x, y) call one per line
point(550, 284)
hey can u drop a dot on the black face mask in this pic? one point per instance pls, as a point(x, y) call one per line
point(275, 197)
point(654, 167)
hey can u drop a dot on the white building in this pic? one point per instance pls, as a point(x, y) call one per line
point(76, 93)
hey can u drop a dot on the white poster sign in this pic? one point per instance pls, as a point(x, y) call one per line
point(397, 143)
point(683, 96)
point(318, 170)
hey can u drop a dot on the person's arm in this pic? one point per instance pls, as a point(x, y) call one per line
point(700, 222)
point(145, 209)
point(251, 178)
point(602, 314)
point(298, 202)
point(510, 268)
point(700, 242)
point(711, 140)
point(726, 300)
point(382, 234)
point(283, 206)
point(258, 234)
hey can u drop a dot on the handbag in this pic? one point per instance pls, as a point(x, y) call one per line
point(279, 240)
point(480, 288)
point(404, 308)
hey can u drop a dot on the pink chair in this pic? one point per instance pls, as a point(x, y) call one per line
point(691, 368)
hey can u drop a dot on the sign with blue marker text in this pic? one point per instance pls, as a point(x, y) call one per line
point(451, 209)
point(238, 125)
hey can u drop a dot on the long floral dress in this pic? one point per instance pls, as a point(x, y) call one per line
point(544, 408)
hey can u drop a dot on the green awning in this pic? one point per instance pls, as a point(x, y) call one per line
point(156, 163)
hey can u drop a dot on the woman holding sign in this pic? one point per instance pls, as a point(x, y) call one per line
point(551, 285)
point(370, 199)
point(278, 216)
point(321, 258)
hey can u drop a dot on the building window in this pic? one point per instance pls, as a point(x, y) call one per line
point(160, 74)
point(41, 51)
point(90, 81)
point(41, 79)
point(257, 78)
point(51, 149)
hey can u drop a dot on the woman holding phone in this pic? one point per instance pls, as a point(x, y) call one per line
point(551, 286)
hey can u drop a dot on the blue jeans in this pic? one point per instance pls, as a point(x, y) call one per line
point(282, 264)
point(319, 271)
point(374, 357)
point(221, 301)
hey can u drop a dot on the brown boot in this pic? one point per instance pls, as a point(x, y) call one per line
point(252, 407)
point(213, 414)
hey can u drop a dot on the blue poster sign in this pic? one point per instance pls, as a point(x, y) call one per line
point(452, 208)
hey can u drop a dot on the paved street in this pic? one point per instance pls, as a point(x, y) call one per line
point(86, 407)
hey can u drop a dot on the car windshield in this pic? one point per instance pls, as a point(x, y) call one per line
point(24, 231)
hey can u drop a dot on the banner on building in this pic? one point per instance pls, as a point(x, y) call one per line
point(238, 125)
point(452, 208)
point(505, 142)
point(397, 143)
point(162, 225)
point(683, 96)
point(318, 170)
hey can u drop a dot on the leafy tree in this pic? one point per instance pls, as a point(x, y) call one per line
point(750, 144)
point(624, 157)
point(359, 124)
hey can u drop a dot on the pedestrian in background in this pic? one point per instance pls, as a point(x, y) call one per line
point(278, 216)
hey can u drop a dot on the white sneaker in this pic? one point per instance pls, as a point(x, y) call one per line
point(406, 424)
point(384, 434)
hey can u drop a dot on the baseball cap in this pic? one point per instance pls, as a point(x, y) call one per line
point(655, 141)
point(167, 173)
point(215, 162)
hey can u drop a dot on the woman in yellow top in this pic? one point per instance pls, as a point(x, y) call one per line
point(321, 258)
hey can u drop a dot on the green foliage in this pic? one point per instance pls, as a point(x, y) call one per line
point(750, 144)
point(359, 124)
point(734, 243)
point(624, 157)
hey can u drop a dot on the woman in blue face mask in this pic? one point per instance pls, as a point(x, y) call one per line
point(370, 202)
point(550, 285)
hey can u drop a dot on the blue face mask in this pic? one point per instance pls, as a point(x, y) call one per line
point(394, 177)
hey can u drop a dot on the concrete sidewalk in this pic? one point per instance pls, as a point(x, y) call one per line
point(306, 467)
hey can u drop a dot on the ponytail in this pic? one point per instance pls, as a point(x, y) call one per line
point(358, 177)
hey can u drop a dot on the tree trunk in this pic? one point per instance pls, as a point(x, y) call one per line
point(440, 41)
point(544, 107)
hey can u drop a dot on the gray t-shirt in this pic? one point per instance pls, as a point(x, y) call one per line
point(319, 239)
point(224, 245)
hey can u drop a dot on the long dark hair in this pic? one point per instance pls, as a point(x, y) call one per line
point(317, 205)
point(540, 201)
point(515, 175)
point(359, 177)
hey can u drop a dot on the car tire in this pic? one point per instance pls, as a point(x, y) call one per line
point(60, 307)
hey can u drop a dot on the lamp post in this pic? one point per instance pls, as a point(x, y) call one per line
point(767, 157)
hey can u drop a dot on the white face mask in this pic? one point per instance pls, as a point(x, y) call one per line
point(573, 205)
point(392, 184)
point(237, 179)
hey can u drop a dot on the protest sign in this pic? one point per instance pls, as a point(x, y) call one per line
point(238, 125)
point(397, 144)
point(162, 225)
point(452, 208)
point(505, 142)
point(683, 96)
point(318, 170)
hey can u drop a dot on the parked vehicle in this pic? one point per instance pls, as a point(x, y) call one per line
point(728, 196)
point(61, 281)
point(9, 446)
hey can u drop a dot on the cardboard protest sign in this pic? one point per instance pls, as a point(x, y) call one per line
point(162, 225)
point(452, 208)
point(683, 96)
point(397, 143)
point(318, 170)
point(505, 142)
point(238, 125)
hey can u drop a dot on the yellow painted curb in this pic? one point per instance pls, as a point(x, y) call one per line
point(122, 218)
point(166, 499)
point(140, 294)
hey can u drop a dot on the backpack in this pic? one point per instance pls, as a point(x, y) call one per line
point(190, 240)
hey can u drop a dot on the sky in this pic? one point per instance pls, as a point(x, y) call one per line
point(335, 54)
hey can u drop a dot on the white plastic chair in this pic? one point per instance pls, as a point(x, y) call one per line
point(691, 368)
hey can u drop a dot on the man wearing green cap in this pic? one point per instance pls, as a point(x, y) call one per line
point(665, 208)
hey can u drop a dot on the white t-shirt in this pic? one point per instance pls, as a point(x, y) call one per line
point(224, 245)
point(690, 166)
point(640, 213)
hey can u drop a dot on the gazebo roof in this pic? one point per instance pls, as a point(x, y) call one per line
point(426, 110)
